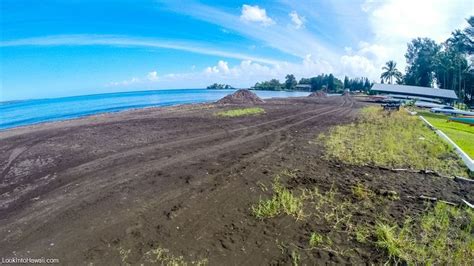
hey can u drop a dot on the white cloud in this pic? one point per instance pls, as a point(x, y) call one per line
point(357, 66)
point(245, 74)
point(124, 83)
point(221, 68)
point(298, 21)
point(405, 19)
point(126, 41)
point(367, 5)
point(248, 72)
point(152, 76)
point(394, 23)
point(280, 37)
point(256, 14)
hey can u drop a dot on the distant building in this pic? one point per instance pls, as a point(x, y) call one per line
point(303, 87)
point(415, 92)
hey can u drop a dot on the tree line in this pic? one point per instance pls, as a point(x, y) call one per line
point(449, 65)
point(217, 86)
point(328, 83)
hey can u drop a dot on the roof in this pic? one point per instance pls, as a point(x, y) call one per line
point(303, 85)
point(415, 91)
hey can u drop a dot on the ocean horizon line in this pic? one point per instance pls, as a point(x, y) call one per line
point(29, 112)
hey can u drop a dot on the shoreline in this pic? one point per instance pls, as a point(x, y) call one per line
point(77, 114)
point(83, 120)
point(101, 114)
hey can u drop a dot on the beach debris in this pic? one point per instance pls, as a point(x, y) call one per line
point(319, 94)
point(468, 204)
point(463, 179)
point(242, 96)
point(433, 199)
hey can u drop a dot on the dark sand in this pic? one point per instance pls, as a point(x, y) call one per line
point(183, 179)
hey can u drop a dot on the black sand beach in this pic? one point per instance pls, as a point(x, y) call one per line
point(108, 189)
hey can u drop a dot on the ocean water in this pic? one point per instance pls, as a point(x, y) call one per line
point(27, 112)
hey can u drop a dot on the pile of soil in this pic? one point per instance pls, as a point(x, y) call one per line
point(242, 96)
point(319, 94)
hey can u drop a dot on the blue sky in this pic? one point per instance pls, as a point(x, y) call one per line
point(71, 47)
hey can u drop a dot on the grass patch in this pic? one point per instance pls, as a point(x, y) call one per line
point(282, 201)
point(461, 134)
point(295, 258)
point(334, 211)
point(309, 205)
point(361, 192)
point(392, 195)
point(241, 112)
point(391, 139)
point(442, 236)
point(315, 240)
point(362, 233)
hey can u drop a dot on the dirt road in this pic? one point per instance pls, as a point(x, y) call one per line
point(107, 189)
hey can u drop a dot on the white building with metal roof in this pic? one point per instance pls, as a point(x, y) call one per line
point(416, 91)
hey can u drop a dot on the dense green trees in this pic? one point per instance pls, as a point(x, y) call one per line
point(290, 83)
point(346, 82)
point(455, 65)
point(357, 84)
point(272, 85)
point(449, 65)
point(391, 72)
point(469, 32)
point(328, 83)
point(216, 86)
point(420, 56)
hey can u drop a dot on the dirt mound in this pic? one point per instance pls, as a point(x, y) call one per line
point(320, 94)
point(241, 97)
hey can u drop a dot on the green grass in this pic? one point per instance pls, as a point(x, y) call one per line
point(315, 240)
point(295, 258)
point(461, 134)
point(362, 233)
point(282, 201)
point(361, 192)
point(241, 112)
point(391, 139)
point(333, 210)
point(442, 236)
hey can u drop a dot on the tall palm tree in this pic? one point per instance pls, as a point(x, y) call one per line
point(391, 72)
